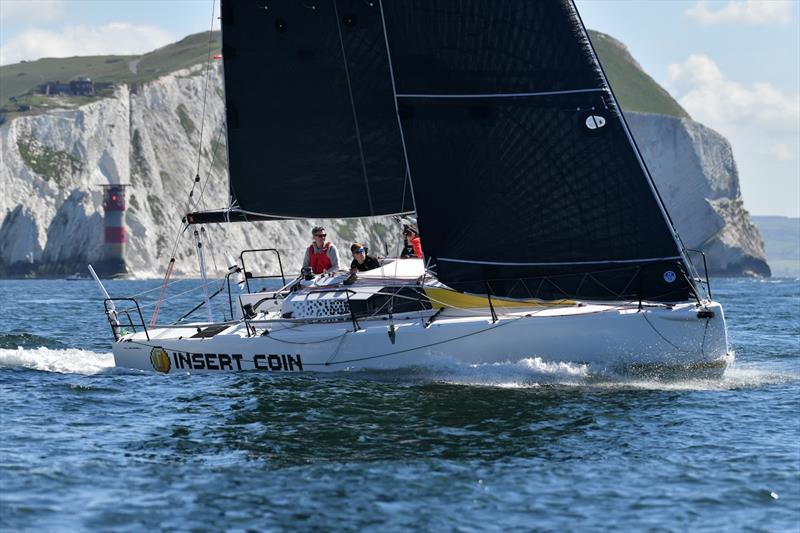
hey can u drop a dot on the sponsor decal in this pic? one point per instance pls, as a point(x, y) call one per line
point(236, 361)
point(159, 358)
point(595, 122)
point(669, 276)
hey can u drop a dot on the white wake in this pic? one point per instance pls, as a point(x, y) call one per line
point(65, 361)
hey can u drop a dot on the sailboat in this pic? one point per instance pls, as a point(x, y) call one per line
point(494, 124)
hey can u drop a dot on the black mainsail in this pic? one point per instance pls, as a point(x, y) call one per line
point(496, 114)
point(312, 127)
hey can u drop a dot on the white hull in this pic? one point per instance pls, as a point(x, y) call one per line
point(606, 337)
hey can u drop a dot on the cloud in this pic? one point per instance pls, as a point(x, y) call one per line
point(710, 97)
point(761, 122)
point(747, 12)
point(31, 10)
point(783, 151)
point(114, 38)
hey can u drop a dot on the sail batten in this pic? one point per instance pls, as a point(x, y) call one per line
point(570, 263)
point(503, 95)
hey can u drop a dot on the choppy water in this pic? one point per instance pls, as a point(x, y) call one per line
point(525, 445)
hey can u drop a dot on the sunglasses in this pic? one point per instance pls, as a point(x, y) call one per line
point(359, 251)
point(323, 235)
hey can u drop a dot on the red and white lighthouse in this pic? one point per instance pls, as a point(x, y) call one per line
point(114, 230)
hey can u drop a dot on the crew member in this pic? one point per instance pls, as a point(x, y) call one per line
point(322, 255)
point(412, 245)
point(361, 261)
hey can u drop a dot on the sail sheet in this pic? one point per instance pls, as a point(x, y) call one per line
point(312, 126)
point(526, 180)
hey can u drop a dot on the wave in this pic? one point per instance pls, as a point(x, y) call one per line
point(27, 340)
point(65, 361)
point(528, 372)
point(535, 373)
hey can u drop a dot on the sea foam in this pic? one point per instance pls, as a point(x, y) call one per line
point(65, 361)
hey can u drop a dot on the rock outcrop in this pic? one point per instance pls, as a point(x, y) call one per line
point(52, 166)
point(696, 175)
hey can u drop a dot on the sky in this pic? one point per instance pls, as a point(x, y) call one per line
point(734, 65)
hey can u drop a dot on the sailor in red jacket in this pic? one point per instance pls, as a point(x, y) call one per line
point(322, 255)
point(412, 245)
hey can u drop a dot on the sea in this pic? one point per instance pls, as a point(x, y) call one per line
point(521, 446)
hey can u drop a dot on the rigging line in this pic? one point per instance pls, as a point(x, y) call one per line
point(152, 304)
point(164, 286)
point(189, 207)
point(212, 253)
point(168, 273)
point(177, 240)
point(499, 95)
point(157, 287)
point(644, 315)
point(199, 203)
point(181, 231)
point(308, 343)
point(338, 346)
point(399, 123)
point(205, 89)
point(659, 200)
point(353, 108)
point(703, 343)
point(498, 325)
point(396, 107)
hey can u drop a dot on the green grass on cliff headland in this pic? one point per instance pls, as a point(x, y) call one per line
point(636, 90)
point(23, 78)
point(633, 87)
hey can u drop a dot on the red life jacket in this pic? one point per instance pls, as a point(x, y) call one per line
point(319, 261)
point(416, 244)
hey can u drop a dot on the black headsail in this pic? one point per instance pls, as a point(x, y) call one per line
point(312, 127)
point(526, 179)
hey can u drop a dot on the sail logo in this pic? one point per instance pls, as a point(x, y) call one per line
point(159, 358)
point(669, 276)
point(595, 122)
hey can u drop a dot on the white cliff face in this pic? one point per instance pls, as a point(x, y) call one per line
point(51, 216)
point(51, 167)
point(696, 175)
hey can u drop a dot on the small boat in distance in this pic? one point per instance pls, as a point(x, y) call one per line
point(77, 277)
point(494, 123)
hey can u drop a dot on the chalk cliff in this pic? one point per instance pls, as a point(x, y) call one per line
point(52, 165)
point(696, 175)
point(149, 137)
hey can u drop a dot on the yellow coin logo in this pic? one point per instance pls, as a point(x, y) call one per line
point(160, 360)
